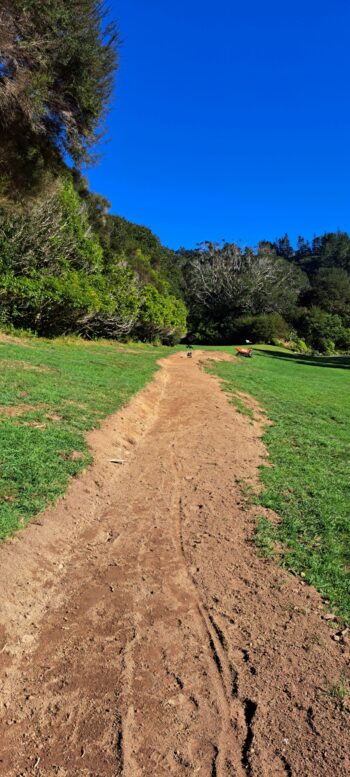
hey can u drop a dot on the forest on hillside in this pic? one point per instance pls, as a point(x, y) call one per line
point(273, 293)
point(68, 265)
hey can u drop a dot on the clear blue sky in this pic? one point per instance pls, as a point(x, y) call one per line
point(231, 119)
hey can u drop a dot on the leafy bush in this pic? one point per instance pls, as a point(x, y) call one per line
point(323, 331)
point(344, 340)
point(51, 305)
point(300, 346)
point(263, 328)
point(49, 236)
point(160, 316)
point(56, 278)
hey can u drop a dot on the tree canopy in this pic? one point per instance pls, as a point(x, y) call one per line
point(57, 65)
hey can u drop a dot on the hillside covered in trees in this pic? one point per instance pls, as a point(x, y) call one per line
point(68, 265)
point(271, 293)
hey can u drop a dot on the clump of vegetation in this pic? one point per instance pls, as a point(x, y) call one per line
point(340, 692)
point(58, 274)
point(262, 328)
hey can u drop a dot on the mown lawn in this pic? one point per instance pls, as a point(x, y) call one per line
point(51, 393)
point(308, 401)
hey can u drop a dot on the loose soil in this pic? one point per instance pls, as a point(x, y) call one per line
point(141, 633)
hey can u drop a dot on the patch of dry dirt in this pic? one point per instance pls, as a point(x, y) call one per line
point(141, 633)
point(13, 411)
point(17, 363)
point(12, 339)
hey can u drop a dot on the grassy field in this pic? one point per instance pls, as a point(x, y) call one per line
point(51, 394)
point(308, 401)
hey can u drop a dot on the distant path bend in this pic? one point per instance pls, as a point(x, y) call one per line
point(141, 635)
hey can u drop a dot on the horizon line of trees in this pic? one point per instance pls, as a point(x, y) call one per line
point(68, 265)
point(271, 294)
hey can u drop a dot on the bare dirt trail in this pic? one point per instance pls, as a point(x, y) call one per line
point(141, 633)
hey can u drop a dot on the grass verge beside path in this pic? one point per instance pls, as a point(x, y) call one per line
point(51, 393)
point(308, 486)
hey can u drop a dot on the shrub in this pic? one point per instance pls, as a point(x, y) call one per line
point(160, 316)
point(323, 331)
point(297, 345)
point(263, 328)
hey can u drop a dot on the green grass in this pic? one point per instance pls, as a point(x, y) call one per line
point(241, 407)
point(308, 400)
point(340, 692)
point(64, 388)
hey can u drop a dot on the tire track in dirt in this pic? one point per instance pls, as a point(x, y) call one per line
point(226, 750)
point(231, 753)
point(142, 635)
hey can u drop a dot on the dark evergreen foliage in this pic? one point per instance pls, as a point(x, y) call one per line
point(57, 63)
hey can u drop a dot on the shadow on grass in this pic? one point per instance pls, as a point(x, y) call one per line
point(341, 362)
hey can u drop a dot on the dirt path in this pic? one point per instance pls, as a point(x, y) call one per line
point(141, 633)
